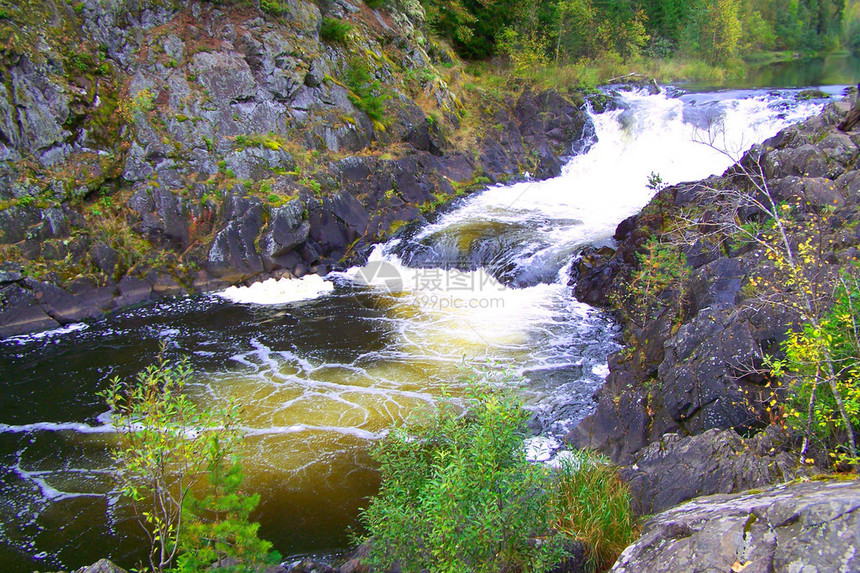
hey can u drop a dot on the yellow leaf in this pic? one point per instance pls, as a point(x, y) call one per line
point(738, 566)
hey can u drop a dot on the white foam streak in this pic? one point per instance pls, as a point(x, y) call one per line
point(56, 427)
point(299, 428)
point(47, 334)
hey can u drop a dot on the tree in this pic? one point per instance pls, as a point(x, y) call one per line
point(218, 527)
point(713, 31)
point(168, 447)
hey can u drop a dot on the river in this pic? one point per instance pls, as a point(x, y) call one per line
point(323, 366)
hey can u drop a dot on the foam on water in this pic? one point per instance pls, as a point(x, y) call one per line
point(279, 291)
point(547, 221)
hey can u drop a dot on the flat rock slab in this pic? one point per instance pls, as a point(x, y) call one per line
point(809, 527)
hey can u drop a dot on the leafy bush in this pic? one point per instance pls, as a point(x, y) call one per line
point(593, 506)
point(335, 30)
point(457, 493)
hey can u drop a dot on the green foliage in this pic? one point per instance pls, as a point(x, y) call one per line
point(717, 32)
point(660, 266)
point(593, 506)
point(218, 523)
point(377, 3)
point(713, 31)
point(271, 141)
point(817, 398)
point(526, 51)
point(366, 92)
point(274, 7)
point(457, 493)
point(169, 448)
point(26, 201)
point(335, 30)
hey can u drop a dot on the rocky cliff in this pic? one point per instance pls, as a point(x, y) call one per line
point(691, 383)
point(152, 147)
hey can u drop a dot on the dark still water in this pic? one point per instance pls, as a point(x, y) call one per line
point(323, 367)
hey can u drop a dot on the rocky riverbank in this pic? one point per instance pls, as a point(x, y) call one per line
point(689, 409)
point(183, 147)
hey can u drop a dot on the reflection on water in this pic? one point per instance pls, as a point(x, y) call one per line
point(842, 68)
point(828, 70)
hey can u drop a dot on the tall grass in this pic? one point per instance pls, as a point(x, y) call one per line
point(592, 505)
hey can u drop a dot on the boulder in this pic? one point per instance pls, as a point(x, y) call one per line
point(287, 229)
point(811, 526)
point(102, 566)
point(675, 469)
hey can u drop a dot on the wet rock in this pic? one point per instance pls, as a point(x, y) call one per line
point(233, 255)
point(133, 291)
point(675, 469)
point(287, 229)
point(811, 526)
point(21, 313)
point(102, 566)
point(164, 285)
point(66, 307)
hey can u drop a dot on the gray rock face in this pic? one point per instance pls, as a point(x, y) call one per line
point(226, 75)
point(806, 527)
point(675, 469)
point(233, 255)
point(287, 230)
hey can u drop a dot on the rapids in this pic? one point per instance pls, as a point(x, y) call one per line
point(322, 366)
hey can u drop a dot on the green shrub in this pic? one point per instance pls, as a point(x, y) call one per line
point(334, 30)
point(218, 523)
point(593, 506)
point(365, 92)
point(457, 493)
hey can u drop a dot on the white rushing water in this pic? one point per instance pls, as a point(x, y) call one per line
point(324, 365)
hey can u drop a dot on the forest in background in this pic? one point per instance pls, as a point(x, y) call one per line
point(717, 33)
